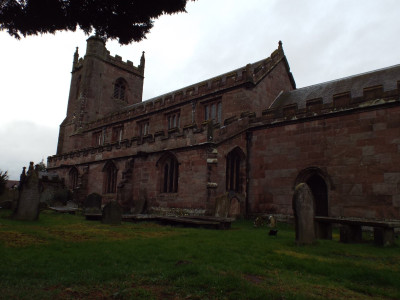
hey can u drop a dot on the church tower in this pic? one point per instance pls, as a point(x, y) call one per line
point(100, 84)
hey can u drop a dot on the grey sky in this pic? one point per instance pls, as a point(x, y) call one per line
point(323, 40)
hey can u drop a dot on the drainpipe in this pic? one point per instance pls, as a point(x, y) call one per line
point(249, 136)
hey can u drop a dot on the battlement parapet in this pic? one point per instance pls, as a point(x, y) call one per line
point(96, 48)
point(246, 76)
point(339, 103)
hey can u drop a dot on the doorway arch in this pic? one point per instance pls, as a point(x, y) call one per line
point(319, 184)
point(319, 190)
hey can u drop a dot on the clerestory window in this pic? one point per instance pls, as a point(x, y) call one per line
point(117, 133)
point(173, 120)
point(213, 111)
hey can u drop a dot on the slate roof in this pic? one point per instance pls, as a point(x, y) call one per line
point(387, 77)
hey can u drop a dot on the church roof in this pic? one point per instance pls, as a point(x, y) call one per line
point(251, 74)
point(388, 78)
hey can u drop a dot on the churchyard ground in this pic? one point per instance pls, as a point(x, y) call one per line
point(66, 257)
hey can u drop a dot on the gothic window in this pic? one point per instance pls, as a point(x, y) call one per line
point(120, 89)
point(173, 120)
point(73, 178)
point(213, 111)
point(110, 178)
point(233, 162)
point(117, 133)
point(169, 174)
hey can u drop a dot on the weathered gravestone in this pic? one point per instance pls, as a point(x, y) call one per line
point(112, 213)
point(92, 203)
point(222, 205)
point(303, 209)
point(27, 207)
point(228, 205)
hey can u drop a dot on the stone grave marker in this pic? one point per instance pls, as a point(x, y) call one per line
point(29, 197)
point(92, 203)
point(222, 205)
point(303, 209)
point(112, 213)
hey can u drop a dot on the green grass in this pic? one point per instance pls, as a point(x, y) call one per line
point(67, 257)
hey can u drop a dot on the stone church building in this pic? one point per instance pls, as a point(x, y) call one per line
point(248, 134)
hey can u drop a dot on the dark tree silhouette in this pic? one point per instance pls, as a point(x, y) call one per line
point(124, 20)
point(3, 181)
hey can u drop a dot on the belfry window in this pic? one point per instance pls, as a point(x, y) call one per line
point(110, 178)
point(233, 161)
point(169, 174)
point(120, 89)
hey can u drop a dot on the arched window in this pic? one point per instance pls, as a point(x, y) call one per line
point(233, 177)
point(110, 178)
point(169, 174)
point(73, 178)
point(120, 89)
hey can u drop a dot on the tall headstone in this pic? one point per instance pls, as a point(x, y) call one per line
point(29, 196)
point(303, 209)
point(112, 213)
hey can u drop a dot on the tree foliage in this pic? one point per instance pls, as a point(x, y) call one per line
point(41, 167)
point(3, 181)
point(124, 20)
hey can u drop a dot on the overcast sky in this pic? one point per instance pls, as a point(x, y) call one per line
point(322, 40)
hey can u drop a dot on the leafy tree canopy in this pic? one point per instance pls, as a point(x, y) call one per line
point(3, 181)
point(124, 20)
point(41, 166)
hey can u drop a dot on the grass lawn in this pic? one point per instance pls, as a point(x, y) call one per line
point(67, 257)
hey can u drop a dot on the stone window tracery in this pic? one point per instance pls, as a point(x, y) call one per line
point(110, 178)
point(73, 178)
point(97, 139)
point(213, 111)
point(169, 174)
point(143, 128)
point(233, 162)
point(120, 89)
point(117, 133)
point(173, 120)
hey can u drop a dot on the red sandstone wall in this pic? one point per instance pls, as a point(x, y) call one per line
point(360, 152)
point(270, 87)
